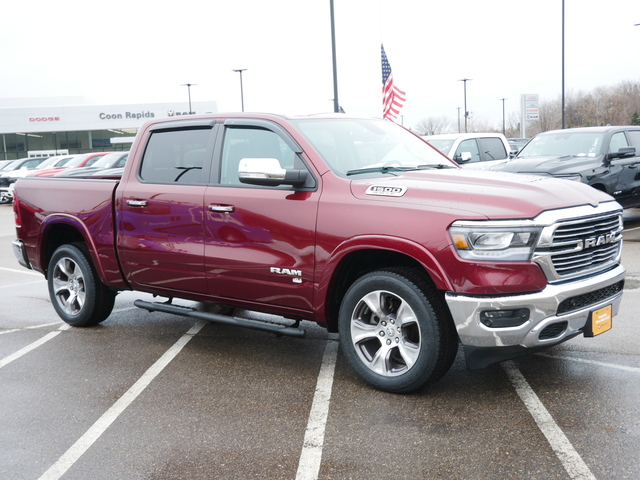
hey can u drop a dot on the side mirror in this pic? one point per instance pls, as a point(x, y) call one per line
point(463, 157)
point(623, 152)
point(268, 172)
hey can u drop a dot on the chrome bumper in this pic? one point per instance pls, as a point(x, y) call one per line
point(543, 307)
point(20, 252)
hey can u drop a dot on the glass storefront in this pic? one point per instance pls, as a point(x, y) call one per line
point(21, 145)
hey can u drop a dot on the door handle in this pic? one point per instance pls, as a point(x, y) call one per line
point(221, 208)
point(137, 203)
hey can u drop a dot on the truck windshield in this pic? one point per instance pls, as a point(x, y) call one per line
point(351, 146)
point(566, 143)
point(440, 144)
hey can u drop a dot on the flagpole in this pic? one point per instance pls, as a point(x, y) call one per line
point(336, 104)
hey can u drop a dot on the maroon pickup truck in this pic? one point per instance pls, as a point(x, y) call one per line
point(356, 224)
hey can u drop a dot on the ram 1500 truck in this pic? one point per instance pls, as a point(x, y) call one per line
point(354, 223)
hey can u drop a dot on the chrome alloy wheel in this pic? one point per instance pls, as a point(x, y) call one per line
point(69, 286)
point(385, 333)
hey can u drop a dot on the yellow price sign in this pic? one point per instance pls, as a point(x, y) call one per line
point(601, 321)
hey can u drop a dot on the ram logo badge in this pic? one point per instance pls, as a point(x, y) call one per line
point(286, 271)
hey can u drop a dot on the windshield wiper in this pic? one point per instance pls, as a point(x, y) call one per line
point(391, 169)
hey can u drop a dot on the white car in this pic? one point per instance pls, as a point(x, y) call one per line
point(473, 150)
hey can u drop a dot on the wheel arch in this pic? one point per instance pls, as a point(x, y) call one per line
point(61, 230)
point(357, 258)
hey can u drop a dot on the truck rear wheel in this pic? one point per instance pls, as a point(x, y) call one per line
point(76, 292)
point(395, 332)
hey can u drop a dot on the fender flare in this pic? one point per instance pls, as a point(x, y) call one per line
point(399, 245)
point(69, 220)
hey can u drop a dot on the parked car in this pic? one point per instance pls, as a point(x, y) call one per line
point(606, 158)
point(52, 162)
point(109, 173)
point(112, 160)
point(84, 160)
point(516, 144)
point(13, 171)
point(472, 150)
point(4, 164)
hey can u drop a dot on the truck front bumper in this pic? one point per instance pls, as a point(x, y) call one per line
point(557, 313)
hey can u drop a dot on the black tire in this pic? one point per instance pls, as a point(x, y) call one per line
point(76, 292)
point(395, 332)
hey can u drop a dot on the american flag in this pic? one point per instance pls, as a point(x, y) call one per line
point(392, 97)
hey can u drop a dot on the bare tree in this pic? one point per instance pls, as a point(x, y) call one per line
point(435, 126)
point(613, 105)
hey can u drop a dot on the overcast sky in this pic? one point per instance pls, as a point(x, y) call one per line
point(142, 51)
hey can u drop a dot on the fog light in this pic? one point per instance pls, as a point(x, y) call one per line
point(504, 318)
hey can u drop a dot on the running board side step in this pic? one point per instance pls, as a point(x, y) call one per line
point(214, 317)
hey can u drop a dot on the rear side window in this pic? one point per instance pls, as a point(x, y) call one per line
point(176, 156)
point(492, 149)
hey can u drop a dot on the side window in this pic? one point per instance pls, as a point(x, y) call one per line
point(618, 140)
point(32, 163)
point(468, 146)
point(634, 138)
point(176, 156)
point(492, 149)
point(250, 142)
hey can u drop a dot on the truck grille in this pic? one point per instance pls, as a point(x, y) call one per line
point(581, 246)
point(584, 237)
point(592, 298)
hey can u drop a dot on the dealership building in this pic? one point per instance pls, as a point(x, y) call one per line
point(55, 126)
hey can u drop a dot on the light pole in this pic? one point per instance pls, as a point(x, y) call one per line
point(458, 108)
point(563, 119)
point(240, 70)
point(189, 85)
point(503, 127)
point(466, 112)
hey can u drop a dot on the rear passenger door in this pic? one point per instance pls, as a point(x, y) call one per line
point(160, 208)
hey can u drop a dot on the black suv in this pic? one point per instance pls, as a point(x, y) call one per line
point(607, 158)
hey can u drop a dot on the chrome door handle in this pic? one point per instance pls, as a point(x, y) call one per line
point(222, 208)
point(137, 203)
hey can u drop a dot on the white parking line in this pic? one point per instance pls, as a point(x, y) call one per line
point(592, 362)
point(14, 285)
point(32, 346)
point(71, 456)
point(309, 464)
point(24, 270)
point(32, 327)
point(568, 456)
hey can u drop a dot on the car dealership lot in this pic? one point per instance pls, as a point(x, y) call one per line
point(154, 396)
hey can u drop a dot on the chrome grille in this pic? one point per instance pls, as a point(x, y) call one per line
point(571, 252)
point(581, 245)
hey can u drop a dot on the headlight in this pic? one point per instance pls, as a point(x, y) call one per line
point(574, 177)
point(495, 243)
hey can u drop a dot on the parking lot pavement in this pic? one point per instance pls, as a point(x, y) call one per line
point(154, 396)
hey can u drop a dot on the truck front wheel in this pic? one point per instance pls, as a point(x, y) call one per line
point(394, 331)
point(76, 292)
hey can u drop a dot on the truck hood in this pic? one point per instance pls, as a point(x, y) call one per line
point(551, 165)
point(478, 194)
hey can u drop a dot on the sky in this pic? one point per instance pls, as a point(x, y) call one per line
point(142, 51)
